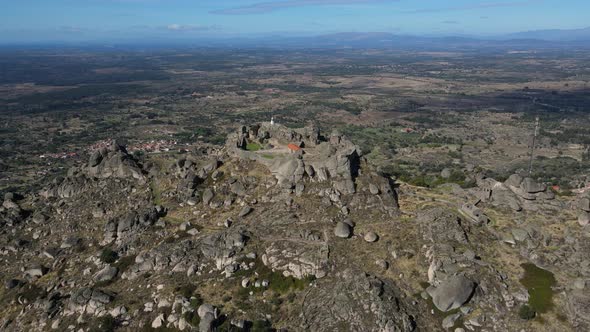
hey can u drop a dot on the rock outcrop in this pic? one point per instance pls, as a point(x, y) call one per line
point(451, 293)
point(358, 301)
point(517, 193)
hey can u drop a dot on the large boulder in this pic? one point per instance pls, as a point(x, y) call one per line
point(205, 309)
point(342, 230)
point(129, 225)
point(206, 323)
point(530, 186)
point(114, 162)
point(71, 187)
point(513, 181)
point(223, 247)
point(452, 293)
point(584, 218)
point(285, 170)
point(207, 313)
point(371, 237)
point(207, 196)
point(108, 273)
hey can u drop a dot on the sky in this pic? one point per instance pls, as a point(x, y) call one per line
point(86, 20)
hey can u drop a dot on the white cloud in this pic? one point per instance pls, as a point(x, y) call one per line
point(190, 27)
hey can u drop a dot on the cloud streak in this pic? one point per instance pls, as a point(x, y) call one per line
point(189, 27)
point(266, 7)
point(480, 5)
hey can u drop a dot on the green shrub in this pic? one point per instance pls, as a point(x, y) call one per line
point(196, 301)
point(32, 292)
point(108, 256)
point(253, 147)
point(261, 326)
point(186, 290)
point(281, 284)
point(104, 324)
point(527, 313)
point(192, 318)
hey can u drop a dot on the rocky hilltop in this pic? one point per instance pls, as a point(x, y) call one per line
point(281, 229)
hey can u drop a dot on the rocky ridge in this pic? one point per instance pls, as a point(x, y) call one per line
point(280, 227)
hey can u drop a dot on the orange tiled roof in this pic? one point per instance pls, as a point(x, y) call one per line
point(293, 147)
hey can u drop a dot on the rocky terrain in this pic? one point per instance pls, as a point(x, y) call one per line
point(292, 230)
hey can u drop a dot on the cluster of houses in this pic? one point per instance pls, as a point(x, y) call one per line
point(59, 155)
point(151, 146)
point(100, 144)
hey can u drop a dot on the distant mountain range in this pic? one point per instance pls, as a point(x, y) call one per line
point(553, 35)
point(541, 38)
point(548, 39)
point(538, 38)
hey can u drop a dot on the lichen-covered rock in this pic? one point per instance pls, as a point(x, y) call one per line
point(223, 247)
point(342, 230)
point(126, 227)
point(531, 186)
point(371, 237)
point(451, 293)
point(114, 162)
point(108, 273)
point(355, 301)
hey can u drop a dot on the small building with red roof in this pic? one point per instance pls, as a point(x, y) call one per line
point(293, 148)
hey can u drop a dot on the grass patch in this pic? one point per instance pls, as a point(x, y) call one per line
point(253, 147)
point(538, 282)
point(156, 193)
point(268, 156)
point(277, 282)
point(186, 290)
point(282, 284)
point(31, 292)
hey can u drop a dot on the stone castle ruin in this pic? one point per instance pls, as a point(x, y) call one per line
point(315, 157)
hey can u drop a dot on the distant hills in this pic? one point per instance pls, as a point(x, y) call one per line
point(554, 35)
point(540, 38)
point(546, 39)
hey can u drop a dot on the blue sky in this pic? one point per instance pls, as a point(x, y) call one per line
point(30, 20)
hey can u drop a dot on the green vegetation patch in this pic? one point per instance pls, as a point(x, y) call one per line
point(104, 324)
point(277, 282)
point(253, 147)
point(156, 193)
point(539, 283)
point(526, 312)
point(108, 256)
